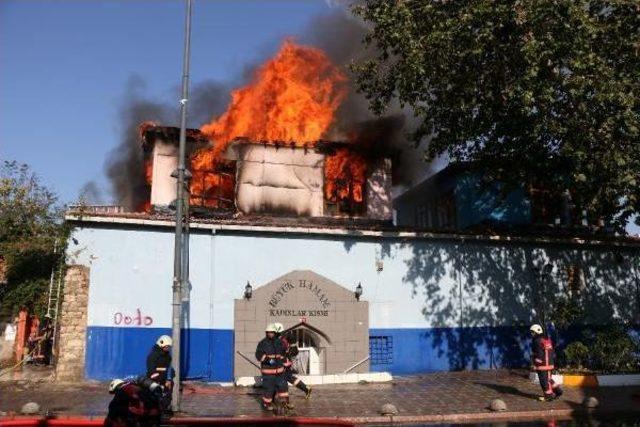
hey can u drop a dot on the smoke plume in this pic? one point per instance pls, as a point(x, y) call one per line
point(208, 99)
point(124, 166)
point(90, 194)
point(339, 34)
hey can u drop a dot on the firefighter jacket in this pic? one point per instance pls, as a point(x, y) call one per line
point(271, 354)
point(158, 364)
point(542, 353)
point(132, 401)
point(127, 401)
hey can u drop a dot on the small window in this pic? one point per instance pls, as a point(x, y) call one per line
point(575, 279)
point(421, 216)
point(446, 211)
point(381, 350)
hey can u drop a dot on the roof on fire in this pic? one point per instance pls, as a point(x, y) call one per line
point(150, 133)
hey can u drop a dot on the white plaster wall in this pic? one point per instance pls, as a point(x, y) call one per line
point(279, 179)
point(165, 162)
point(261, 259)
point(133, 270)
point(412, 283)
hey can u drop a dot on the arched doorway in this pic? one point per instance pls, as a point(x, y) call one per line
point(311, 343)
point(308, 360)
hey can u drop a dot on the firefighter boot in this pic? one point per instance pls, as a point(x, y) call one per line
point(267, 406)
point(288, 408)
point(558, 391)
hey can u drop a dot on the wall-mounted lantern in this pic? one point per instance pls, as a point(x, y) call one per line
point(358, 292)
point(248, 291)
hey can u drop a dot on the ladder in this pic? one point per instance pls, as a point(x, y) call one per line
point(53, 304)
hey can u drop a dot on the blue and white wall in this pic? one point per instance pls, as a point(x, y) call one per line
point(438, 303)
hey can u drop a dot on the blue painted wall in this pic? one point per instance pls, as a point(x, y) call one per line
point(445, 349)
point(120, 352)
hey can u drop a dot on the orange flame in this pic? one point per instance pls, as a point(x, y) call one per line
point(144, 206)
point(293, 97)
point(345, 176)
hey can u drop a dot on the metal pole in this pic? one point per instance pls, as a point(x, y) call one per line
point(185, 247)
point(180, 218)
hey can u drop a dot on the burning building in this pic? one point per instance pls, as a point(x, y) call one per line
point(359, 297)
point(265, 155)
point(321, 179)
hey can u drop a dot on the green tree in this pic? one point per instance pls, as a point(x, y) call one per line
point(32, 239)
point(541, 92)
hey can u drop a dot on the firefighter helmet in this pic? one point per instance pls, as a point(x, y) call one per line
point(271, 327)
point(164, 341)
point(115, 384)
point(536, 329)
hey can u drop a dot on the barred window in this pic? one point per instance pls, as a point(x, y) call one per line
point(381, 350)
point(575, 279)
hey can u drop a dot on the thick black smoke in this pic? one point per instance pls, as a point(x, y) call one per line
point(340, 35)
point(125, 164)
point(208, 99)
point(90, 194)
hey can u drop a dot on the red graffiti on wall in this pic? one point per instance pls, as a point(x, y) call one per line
point(136, 320)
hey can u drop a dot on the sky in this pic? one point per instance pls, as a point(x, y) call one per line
point(65, 65)
point(65, 69)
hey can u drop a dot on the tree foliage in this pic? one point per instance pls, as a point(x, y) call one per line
point(543, 92)
point(32, 238)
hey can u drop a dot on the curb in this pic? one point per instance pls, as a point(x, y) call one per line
point(351, 378)
point(592, 380)
point(556, 414)
point(549, 414)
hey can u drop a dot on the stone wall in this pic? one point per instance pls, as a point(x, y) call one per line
point(73, 324)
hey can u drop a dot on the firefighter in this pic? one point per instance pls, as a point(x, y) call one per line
point(543, 359)
point(291, 352)
point(132, 405)
point(271, 354)
point(159, 368)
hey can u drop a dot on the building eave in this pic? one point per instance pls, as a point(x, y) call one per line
point(231, 226)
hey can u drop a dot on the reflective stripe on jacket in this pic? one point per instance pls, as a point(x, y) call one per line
point(543, 354)
point(158, 364)
point(271, 354)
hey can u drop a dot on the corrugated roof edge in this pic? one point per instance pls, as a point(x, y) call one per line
point(217, 225)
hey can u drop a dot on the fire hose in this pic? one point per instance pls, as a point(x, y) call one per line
point(25, 358)
point(248, 360)
point(17, 365)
